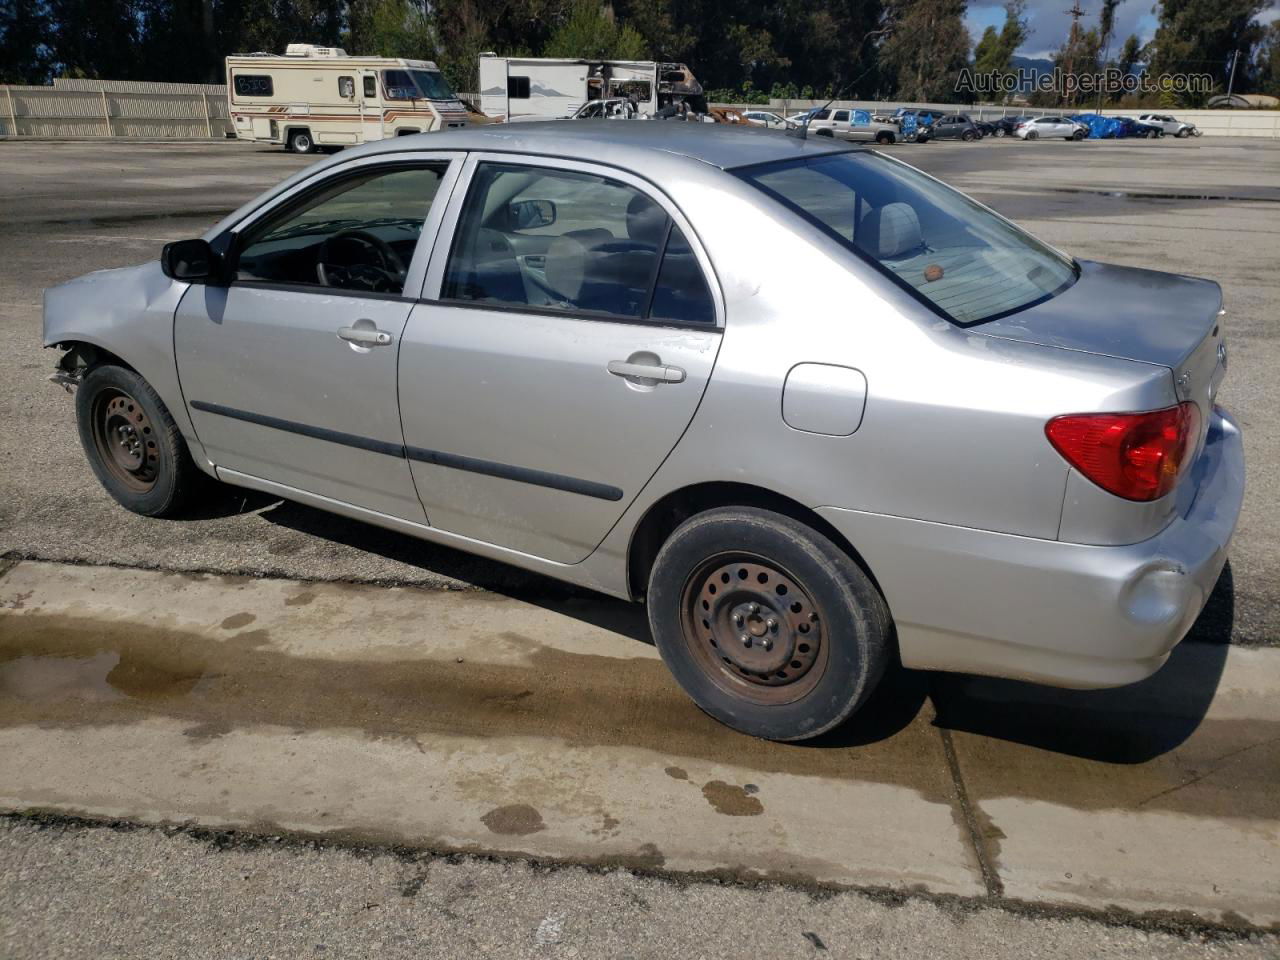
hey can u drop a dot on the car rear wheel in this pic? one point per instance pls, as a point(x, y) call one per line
point(1000, 132)
point(132, 443)
point(766, 624)
point(300, 141)
point(1032, 135)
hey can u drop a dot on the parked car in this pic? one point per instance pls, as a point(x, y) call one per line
point(853, 125)
point(955, 126)
point(579, 348)
point(1005, 126)
point(763, 118)
point(1169, 125)
point(1137, 128)
point(1038, 128)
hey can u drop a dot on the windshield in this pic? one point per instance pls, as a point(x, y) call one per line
point(964, 261)
point(416, 85)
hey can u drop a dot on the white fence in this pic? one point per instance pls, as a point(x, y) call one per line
point(1218, 123)
point(115, 108)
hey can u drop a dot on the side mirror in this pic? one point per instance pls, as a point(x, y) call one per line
point(189, 260)
point(528, 214)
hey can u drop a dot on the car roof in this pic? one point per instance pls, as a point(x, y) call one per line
point(622, 144)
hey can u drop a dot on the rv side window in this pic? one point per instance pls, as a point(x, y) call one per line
point(371, 87)
point(251, 85)
point(517, 88)
point(346, 87)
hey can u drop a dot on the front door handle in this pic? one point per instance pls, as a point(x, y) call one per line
point(365, 336)
point(646, 371)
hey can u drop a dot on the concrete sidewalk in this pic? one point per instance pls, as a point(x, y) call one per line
point(468, 721)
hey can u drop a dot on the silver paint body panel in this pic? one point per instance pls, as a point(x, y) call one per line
point(991, 551)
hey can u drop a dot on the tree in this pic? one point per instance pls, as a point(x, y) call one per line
point(994, 52)
point(24, 55)
point(926, 49)
point(1267, 61)
point(390, 28)
point(1199, 36)
point(591, 31)
point(1130, 57)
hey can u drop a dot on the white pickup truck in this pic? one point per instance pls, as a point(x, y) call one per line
point(856, 125)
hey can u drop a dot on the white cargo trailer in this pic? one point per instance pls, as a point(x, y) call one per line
point(540, 88)
point(314, 97)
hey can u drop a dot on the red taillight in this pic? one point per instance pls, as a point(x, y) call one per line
point(1138, 456)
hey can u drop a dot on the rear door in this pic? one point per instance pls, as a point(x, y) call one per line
point(540, 391)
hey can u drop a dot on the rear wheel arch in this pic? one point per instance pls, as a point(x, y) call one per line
point(667, 513)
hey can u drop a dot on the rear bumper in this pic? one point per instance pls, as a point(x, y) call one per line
point(1065, 614)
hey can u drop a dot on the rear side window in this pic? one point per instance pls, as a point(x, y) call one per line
point(568, 241)
point(518, 88)
point(964, 261)
point(253, 85)
point(681, 293)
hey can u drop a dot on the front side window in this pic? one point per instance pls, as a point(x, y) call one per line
point(968, 264)
point(562, 240)
point(356, 233)
point(253, 85)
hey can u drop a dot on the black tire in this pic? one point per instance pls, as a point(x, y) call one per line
point(884, 138)
point(1000, 132)
point(1182, 134)
point(968, 136)
point(1032, 135)
point(134, 447)
point(1077, 136)
point(831, 627)
point(300, 142)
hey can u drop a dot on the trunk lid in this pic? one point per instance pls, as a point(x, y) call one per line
point(1141, 315)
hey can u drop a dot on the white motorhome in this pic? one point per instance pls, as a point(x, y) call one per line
point(539, 88)
point(314, 97)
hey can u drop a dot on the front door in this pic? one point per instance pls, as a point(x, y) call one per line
point(289, 372)
point(571, 339)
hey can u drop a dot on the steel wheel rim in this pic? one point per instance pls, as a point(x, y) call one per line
point(771, 655)
point(125, 440)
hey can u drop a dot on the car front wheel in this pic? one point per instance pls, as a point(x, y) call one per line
point(132, 443)
point(766, 624)
point(968, 136)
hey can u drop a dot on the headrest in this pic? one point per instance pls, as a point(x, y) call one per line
point(890, 231)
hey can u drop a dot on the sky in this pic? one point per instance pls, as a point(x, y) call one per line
point(1050, 22)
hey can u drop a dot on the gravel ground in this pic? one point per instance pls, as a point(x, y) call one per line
point(103, 893)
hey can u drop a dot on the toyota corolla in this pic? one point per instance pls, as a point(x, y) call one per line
point(581, 348)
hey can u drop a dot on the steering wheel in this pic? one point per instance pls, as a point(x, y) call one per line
point(357, 272)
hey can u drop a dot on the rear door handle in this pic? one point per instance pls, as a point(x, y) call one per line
point(646, 371)
point(369, 336)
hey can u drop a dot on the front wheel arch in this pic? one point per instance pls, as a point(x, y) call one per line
point(671, 510)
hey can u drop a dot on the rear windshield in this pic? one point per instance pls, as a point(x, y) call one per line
point(961, 259)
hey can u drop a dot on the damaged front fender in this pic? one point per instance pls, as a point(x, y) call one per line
point(126, 315)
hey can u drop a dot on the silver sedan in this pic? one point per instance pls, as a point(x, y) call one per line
point(580, 348)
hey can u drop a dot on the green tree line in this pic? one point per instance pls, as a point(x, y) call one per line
point(740, 50)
